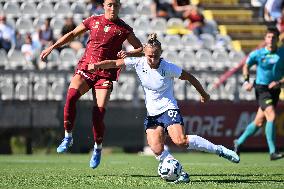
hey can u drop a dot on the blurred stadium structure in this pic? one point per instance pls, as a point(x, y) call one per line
point(32, 96)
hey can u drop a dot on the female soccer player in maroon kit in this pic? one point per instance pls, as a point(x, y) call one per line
point(107, 33)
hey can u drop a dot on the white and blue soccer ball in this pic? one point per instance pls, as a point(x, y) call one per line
point(170, 169)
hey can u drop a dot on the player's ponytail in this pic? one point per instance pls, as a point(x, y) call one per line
point(153, 41)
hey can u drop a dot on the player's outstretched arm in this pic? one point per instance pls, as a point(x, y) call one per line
point(137, 45)
point(106, 64)
point(189, 77)
point(63, 40)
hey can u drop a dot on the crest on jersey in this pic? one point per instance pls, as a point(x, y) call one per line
point(106, 29)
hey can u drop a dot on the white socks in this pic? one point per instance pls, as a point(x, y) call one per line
point(98, 146)
point(164, 155)
point(198, 143)
point(68, 134)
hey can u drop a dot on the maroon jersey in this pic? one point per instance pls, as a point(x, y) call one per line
point(105, 41)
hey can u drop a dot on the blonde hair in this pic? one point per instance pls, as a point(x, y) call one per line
point(153, 41)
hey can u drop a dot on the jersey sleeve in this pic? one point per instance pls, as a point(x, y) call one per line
point(87, 22)
point(131, 62)
point(252, 58)
point(174, 70)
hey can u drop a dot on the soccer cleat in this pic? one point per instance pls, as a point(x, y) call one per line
point(228, 154)
point(96, 158)
point(276, 156)
point(65, 144)
point(183, 178)
point(236, 147)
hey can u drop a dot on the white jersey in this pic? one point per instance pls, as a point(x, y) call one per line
point(156, 83)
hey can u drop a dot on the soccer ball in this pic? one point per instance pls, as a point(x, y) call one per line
point(170, 169)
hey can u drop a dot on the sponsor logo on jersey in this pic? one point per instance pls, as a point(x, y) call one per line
point(268, 101)
point(96, 25)
point(106, 83)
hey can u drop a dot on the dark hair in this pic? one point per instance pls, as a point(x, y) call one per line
point(273, 30)
point(153, 41)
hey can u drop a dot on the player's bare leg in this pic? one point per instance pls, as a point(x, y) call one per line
point(156, 138)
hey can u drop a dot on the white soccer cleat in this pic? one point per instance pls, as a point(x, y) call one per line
point(228, 154)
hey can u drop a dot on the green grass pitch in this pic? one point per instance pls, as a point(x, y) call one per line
point(134, 171)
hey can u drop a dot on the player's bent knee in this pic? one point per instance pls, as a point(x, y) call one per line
point(157, 150)
point(180, 141)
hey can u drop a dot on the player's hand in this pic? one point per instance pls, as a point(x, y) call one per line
point(205, 97)
point(45, 53)
point(92, 68)
point(122, 54)
point(274, 84)
point(247, 86)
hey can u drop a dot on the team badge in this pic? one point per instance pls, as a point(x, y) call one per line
point(106, 29)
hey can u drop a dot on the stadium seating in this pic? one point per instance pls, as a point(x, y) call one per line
point(11, 9)
point(3, 59)
point(56, 87)
point(16, 60)
point(172, 42)
point(45, 9)
point(221, 60)
point(204, 59)
point(158, 25)
point(187, 59)
point(208, 41)
point(144, 10)
point(62, 9)
point(191, 42)
point(6, 87)
point(79, 9)
point(191, 52)
point(40, 87)
point(68, 59)
point(29, 9)
point(24, 25)
point(22, 88)
point(140, 25)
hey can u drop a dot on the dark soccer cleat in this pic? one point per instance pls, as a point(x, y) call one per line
point(236, 147)
point(96, 158)
point(65, 144)
point(276, 156)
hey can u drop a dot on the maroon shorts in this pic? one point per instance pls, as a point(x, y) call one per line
point(95, 81)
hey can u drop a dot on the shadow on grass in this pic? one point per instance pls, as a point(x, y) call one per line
point(123, 175)
point(241, 178)
point(237, 181)
point(239, 175)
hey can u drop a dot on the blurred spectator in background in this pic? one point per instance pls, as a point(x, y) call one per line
point(196, 20)
point(19, 40)
point(96, 7)
point(260, 4)
point(45, 33)
point(7, 34)
point(69, 26)
point(162, 8)
point(29, 50)
point(272, 10)
point(280, 22)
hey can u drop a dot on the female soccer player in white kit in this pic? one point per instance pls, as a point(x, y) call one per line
point(156, 76)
